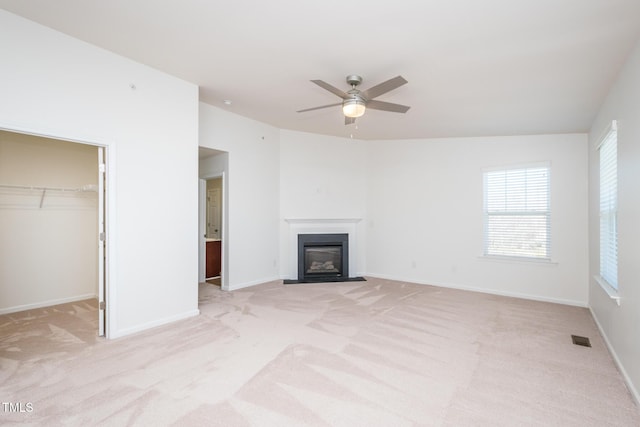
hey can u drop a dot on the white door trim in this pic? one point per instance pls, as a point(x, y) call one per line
point(109, 209)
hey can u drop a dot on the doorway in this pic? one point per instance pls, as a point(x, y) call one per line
point(213, 235)
point(213, 239)
point(53, 220)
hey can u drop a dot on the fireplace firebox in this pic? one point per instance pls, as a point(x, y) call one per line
point(323, 257)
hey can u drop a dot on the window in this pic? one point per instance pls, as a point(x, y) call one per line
point(609, 207)
point(517, 212)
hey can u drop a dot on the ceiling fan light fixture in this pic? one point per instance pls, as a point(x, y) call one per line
point(354, 103)
point(353, 107)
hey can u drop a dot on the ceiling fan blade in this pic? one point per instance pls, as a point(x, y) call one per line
point(331, 89)
point(387, 106)
point(317, 108)
point(349, 120)
point(384, 87)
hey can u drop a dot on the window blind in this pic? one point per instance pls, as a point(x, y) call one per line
point(609, 208)
point(517, 212)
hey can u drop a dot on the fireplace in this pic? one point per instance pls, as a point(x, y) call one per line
point(323, 257)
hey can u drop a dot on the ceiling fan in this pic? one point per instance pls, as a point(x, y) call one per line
point(355, 102)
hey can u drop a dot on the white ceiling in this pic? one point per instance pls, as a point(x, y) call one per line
point(475, 68)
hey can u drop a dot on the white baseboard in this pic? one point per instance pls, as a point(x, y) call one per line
point(441, 285)
point(47, 303)
point(143, 327)
point(235, 287)
point(632, 389)
point(483, 290)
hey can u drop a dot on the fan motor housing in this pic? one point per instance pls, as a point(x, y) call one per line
point(354, 80)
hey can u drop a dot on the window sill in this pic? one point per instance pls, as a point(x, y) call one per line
point(610, 290)
point(517, 260)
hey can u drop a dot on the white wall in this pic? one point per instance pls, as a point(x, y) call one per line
point(55, 85)
point(620, 323)
point(252, 194)
point(48, 250)
point(425, 214)
point(321, 177)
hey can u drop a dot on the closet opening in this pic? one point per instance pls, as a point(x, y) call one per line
point(53, 223)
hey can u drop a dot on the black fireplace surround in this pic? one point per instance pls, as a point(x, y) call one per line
point(323, 258)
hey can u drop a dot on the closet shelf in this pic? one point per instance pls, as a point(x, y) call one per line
point(84, 188)
point(33, 196)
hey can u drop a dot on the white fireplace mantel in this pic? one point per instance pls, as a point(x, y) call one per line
point(319, 226)
point(323, 220)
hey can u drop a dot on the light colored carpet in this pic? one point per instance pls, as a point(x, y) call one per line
point(375, 353)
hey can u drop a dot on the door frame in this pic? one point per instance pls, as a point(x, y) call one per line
point(106, 259)
point(102, 240)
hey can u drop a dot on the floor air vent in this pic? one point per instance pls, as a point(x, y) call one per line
point(583, 341)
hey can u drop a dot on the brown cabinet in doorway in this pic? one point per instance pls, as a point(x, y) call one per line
point(213, 258)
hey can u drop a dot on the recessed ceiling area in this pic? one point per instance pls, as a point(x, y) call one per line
point(473, 68)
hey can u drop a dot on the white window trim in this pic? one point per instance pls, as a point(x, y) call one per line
point(610, 290)
point(613, 126)
point(515, 258)
point(540, 164)
point(518, 260)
